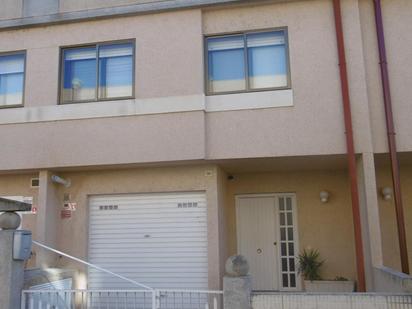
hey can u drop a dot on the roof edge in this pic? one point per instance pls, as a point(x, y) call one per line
point(102, 13)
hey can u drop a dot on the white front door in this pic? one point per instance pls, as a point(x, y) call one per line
point(267, 237)
point(257, 240)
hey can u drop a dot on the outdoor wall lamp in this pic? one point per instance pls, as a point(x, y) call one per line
point(387, 193)
point(61, 181)
point(324, 196)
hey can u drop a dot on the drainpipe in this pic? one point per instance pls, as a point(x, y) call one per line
point(360, 262)
point(391, 137)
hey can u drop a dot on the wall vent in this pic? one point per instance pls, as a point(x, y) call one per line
point(187, 205)
point(34, 183)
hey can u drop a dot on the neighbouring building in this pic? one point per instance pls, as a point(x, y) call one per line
point(194, 130)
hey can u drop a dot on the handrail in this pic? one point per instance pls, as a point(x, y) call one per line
point(92, 265)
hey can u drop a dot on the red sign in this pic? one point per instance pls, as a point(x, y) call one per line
point(65, 214)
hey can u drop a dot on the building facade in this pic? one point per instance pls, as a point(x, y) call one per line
point(191, 131)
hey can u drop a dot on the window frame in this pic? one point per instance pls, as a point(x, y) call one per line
point(246, 61)
point(97, 46)
point(24, 53)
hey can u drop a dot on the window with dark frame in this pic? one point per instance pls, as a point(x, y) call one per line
point(251, 61)
point(97, 72)
point(12, 70)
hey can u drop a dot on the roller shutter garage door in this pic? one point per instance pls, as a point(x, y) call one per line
point(156, 239)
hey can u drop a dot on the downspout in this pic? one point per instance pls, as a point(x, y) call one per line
point(391, 137)
point(360, 262)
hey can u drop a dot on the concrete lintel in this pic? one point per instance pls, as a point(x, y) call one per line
point(10, 205)
point(135, 9)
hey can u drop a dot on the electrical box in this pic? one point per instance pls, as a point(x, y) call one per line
point(21, 245)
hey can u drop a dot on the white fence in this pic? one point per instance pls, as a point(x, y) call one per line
point(330, 301)
point(121, 299)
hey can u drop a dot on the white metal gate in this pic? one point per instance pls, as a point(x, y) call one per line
point(121, 299)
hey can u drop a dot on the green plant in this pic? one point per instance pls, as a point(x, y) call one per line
point(340, 278)
point(309, 264)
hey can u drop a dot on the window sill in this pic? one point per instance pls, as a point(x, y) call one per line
point(103, 109)
point(11, 106)
point(240, 101)
point(249, 100)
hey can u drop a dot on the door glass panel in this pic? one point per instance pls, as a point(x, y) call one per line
point(285, 280)
point(281, 203)
point(289, 204)
point(282, 218)
point(282, 233)
point(292, 264)
point(287, 245)
point(283, 249)
point(292, 280)
point(290, 218)
point(290, 233)
point(291, 247)
point(284, 264)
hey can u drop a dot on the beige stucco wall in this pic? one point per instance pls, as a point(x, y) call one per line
point(314, 125)
point(168, 66)
point(11, 9)
point(327, 227)
point(390, 243)
point(71, 234)
point(159, 38)
point(165, 66)
point(76, 5)
point(396, 18)
point(106, 141)
point(19, 185)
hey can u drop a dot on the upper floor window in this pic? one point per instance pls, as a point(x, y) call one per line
point(97, 72)
point(246, 62)
point(12, 79)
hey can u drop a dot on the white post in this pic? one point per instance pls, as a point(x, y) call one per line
point(15, 248)
point(237, 284)
point(11, 270)
point(155, 299)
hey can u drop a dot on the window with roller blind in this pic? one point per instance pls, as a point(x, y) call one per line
point(12, 71)
point(246, 62)
point(97, 72)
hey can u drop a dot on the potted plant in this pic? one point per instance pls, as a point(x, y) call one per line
point(310, 265)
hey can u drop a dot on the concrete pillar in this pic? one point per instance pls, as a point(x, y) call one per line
point(216, 184)
point(237, 284)
point(47, 218)
point(371, 232)
point(11, 271)
point(237, 292)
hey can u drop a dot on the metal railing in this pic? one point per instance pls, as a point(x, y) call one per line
point(121, 299)
point(290, 300)
point(189, 299)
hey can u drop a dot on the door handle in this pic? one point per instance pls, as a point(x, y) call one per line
point(275, 243)
point(259, 251)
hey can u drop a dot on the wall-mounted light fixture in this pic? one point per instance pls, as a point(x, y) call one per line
point(387, 193)
point(61, 181)
point(324, 196)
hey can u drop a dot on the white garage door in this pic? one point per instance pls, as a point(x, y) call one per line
point(156, 239)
